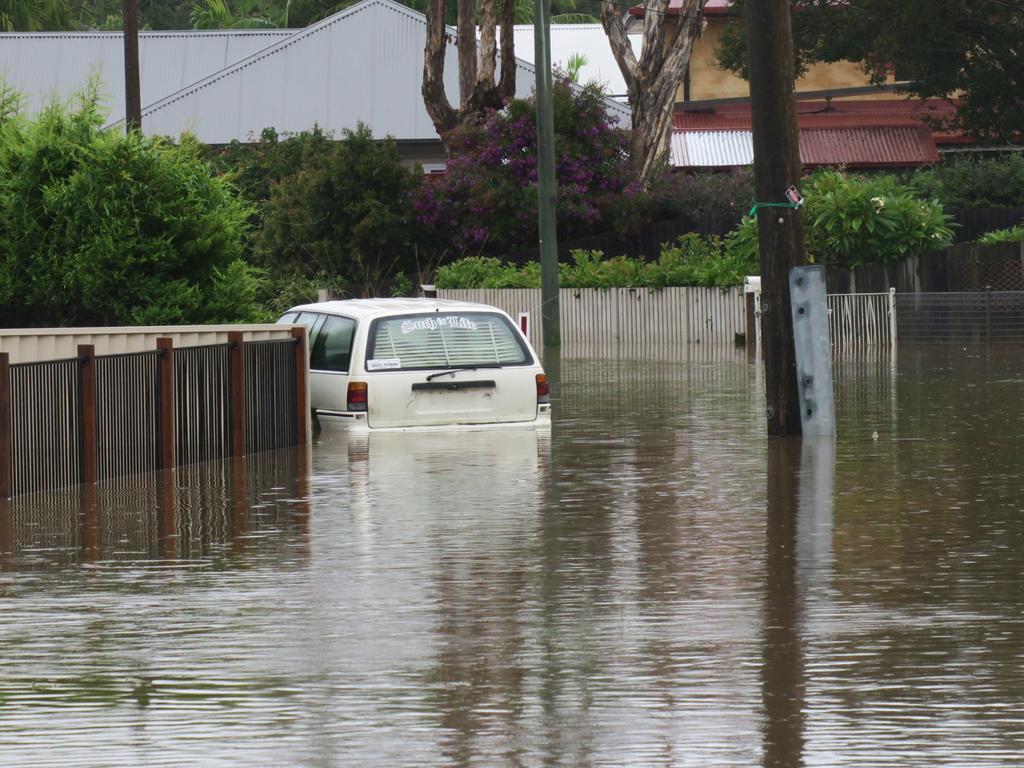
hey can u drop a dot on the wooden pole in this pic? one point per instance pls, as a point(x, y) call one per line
point(780, 230)
point(299, 333)
point(165, 375)
point(6, 428)
point(87, 400)
point(132, 91)
point(236, 390)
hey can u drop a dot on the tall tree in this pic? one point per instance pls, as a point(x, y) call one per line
point(972, 51)
point(652, 80)
point(478, 89)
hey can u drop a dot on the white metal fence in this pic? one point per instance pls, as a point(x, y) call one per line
point(862, 318)
point(625, 317)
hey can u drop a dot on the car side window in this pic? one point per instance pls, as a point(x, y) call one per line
point(332, 348)
point(288, 318)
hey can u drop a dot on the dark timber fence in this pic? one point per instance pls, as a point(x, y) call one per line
point(90, 418)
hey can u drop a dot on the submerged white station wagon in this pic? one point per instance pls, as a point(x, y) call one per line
point(417, 363)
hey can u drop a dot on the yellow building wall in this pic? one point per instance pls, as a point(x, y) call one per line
point(709, 81)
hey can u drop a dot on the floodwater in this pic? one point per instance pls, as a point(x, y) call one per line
point(652, 583)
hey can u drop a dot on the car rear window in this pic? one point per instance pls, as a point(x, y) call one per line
point(444, 340)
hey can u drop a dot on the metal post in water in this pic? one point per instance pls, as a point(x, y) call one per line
point(165, 376)
point(236, 389)
point(892, 317)
point(988, 314)
point(546, 189)
point(813, 349)
point(87, 400)
point(6, 428)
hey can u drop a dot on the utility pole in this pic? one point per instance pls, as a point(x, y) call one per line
point(780, 227)
point(132, 96)
point(546, 190)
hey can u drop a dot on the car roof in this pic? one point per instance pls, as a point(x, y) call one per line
point(364, 308)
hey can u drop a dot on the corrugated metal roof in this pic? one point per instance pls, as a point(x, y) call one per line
point(711, 149)
point(47, 64)
point(363, 64)
point(861, 147)
point(837, 113)
point(865, 147)
point(374, 50)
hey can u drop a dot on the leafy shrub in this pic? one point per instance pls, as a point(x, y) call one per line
point(345, 213)
point(1009, 235)
point(967, 183)
point(693, 260)
point(695, 195)
point(100, 228)
point(486, 202)
point(853, 220)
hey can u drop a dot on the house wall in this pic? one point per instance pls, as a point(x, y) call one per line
point(709, 81)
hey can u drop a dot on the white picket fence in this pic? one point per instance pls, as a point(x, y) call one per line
point(624, 317)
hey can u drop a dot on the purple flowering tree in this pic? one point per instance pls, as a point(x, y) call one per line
point(487, 200)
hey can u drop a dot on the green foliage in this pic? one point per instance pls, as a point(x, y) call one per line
point(693, 260)
point(966, 183)
point(101, 228)
point(968, 50)
point(699, 194)
point(486, 202)
point(853, 220)
point(486, 272)
point(344, 212)
point(1009, 235)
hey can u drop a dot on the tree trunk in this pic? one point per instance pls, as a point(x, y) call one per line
point(478, 91)
point(435, 99)
point(652, 80)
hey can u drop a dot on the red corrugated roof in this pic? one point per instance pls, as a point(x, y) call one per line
point(837, 114)
point(878, 146)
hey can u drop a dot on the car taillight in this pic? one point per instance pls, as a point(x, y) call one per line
point(357, 396)
point(543, 390)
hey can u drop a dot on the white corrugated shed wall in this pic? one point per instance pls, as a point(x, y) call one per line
point(625, 317)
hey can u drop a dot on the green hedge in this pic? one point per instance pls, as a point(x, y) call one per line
point(691, 261)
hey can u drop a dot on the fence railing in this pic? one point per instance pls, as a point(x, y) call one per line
point(90, 418)
point(613, 320)
point(624, 317)
point(976, 316)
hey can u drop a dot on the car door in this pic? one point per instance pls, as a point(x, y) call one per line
point(329, 362)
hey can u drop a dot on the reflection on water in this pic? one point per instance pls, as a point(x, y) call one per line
point(652, 582)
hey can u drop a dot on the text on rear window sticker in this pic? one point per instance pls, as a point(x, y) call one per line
point(383, 363)
point(433, 323)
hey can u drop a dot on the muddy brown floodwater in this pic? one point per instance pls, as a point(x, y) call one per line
point(651, 583)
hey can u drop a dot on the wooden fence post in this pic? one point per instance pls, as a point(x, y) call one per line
point(299, 333)
point(236, 391)
point(165, 410)
point(87, 400)
point(6, 427)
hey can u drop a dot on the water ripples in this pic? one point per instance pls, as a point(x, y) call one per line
point(651, 583)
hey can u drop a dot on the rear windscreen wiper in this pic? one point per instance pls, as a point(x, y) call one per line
point(433, 376)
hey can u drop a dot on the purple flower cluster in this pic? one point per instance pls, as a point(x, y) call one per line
point(487, 199)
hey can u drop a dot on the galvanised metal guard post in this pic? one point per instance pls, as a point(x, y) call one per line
point(813, 349)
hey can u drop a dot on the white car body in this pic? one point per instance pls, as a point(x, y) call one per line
point(408, 364)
